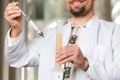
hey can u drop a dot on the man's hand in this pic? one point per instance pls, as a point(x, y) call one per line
point(14, 18)
point(72, 53)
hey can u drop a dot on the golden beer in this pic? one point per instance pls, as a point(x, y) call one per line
point(58, 46)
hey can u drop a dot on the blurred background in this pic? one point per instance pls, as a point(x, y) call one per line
point(43, 12)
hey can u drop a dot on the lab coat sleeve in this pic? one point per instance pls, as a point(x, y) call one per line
point(109, 69)
point(18, 53)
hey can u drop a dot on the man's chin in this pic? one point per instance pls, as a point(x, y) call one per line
point(77, 12)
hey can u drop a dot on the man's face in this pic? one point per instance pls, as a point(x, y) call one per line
point(80, 7)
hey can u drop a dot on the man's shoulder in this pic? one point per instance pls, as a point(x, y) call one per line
point(108, 23)
point(109, 26)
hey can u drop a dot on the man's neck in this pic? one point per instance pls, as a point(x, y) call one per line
point(78, 21)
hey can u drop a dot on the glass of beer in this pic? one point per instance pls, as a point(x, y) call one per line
point(59, 37)
point(58, 69)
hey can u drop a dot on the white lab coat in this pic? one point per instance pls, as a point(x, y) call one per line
point(99, 41)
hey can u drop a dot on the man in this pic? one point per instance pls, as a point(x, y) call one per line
point(95, 56)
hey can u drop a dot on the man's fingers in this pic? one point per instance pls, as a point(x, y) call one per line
point(15, 16)
point(13, 4)
point(63, 50)
point(67, 56)
point(69, 59)
point(12, 10)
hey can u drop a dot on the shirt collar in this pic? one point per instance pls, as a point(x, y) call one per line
point(87, 24)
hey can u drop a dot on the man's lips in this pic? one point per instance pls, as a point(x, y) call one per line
point(77, 1)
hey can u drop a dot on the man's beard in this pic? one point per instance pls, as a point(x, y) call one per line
point(79, 12)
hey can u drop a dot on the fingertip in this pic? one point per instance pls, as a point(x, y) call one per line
point(61, 62)
point(57, 51)
point(16, 3)
point(57, 55)
point(57, 60)
point(13, 3)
